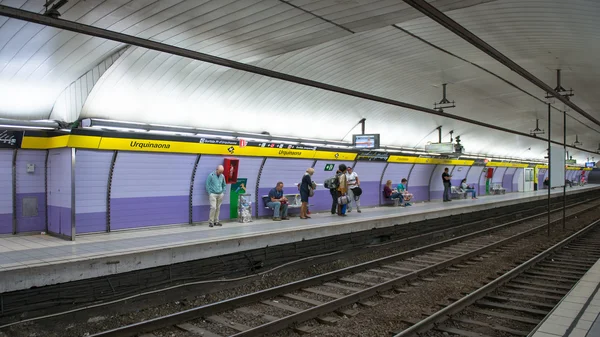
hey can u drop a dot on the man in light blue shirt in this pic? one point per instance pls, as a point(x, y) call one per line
point(215, 187)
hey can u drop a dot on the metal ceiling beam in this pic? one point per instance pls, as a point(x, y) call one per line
point(453, 26)
point(28, 16)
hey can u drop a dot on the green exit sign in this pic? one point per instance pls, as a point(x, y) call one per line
point(329, 167)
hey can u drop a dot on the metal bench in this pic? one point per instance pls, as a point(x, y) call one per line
point(293, 200)
point(456, 193)
point(390, 201)
point(497, 189)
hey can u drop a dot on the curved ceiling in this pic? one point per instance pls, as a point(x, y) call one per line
point(383, 48)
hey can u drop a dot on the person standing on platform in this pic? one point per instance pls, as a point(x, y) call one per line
point(215, 187)
point(305, 186)
point(535, 178)
point(353, 186)
point(342, 189)
point(446, 180)
point(334, 193)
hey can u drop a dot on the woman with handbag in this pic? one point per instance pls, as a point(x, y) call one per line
point(306, 191)
point(342, 189)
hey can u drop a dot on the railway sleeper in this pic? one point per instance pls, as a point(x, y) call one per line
point(496, 327)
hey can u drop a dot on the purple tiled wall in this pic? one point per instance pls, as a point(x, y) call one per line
point(458, 174)
point(498, 175)
point(508, 178)
point(200, 202)
point(91, 183)
point(418, 182)
point(288, 171)
point(31, 184)
point(322, 199)
point(515, 180)
point(248, 169)
point(395, 173)
point(59, 191)
point(150, 189)
point(541, 177)
point(369, 174)
point(6, 191)
point(436, 187)
point(473, 177)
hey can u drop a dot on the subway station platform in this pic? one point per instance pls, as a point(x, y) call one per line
point(577, 315)
point(40, 260)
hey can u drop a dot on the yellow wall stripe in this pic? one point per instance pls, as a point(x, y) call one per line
point(416, 160)
point(501, 164)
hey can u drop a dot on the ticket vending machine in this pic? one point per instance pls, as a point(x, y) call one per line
point(231, 166)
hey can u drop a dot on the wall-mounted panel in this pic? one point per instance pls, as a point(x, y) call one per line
point(59, 191)
point(508, 178)
point(369, 174)
point(6, 202)
point(436, 189)
point(322, 199)
point(418, 182)
point(91, 184)
point(288, 171)
point(30, 189)
point(150, 189)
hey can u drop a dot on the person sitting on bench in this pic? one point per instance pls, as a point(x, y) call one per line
point(278, 203)
point(389, 194)
point(405, 195)
point(466, 188)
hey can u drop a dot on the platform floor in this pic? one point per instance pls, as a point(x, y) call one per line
point(38, 260)
point(577, 315)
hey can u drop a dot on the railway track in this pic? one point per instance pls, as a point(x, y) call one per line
point(321, 296)
point(516, 302)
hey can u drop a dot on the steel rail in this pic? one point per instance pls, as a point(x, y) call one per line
point(76, 27)
point(209, 309)
point(444, 314)
point(453, 26)
point(328, 307)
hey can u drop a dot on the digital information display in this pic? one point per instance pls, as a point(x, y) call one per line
point(366, 141)
point(590, 164)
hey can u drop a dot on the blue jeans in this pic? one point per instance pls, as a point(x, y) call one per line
point(396, 195)
point(472, 191)
point(279, 210)
point(447, 189)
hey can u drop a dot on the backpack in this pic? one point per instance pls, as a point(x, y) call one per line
point(332, 183)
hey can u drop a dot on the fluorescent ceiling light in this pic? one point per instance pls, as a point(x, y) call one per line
point(171, 127)
point(173, 133)
point(108, 121)
point(8, 126)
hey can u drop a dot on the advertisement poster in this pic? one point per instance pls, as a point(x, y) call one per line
point(237, 188)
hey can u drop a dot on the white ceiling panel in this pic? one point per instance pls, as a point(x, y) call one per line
point(312, 39)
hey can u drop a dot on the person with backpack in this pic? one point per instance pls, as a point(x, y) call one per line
point(342, 190)
point(332, 184)
point(354, 190)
